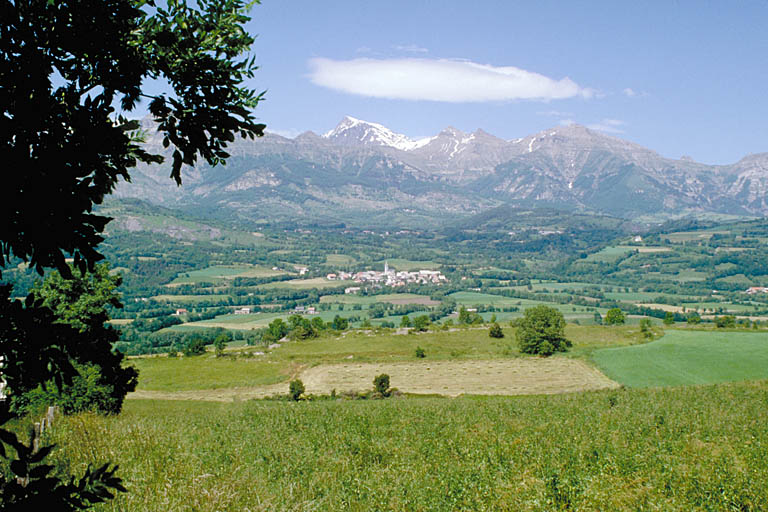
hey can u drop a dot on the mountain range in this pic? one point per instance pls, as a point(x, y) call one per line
point(363, 173)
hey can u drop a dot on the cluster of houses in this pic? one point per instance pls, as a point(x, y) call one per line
point(389, 277)
point(756, 289)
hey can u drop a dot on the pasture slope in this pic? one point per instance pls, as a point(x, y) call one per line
point(688, 357)
point(699, 448)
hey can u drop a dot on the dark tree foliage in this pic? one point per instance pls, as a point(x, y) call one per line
point(64, 66)
point(296, 389)
point(381, 384)
point(495, 331)
point(101, 382)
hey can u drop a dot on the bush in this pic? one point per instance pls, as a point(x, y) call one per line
point(339, 323)
point(220, 343)
point(420, 353)
point(541, 331)
point(645, 328)
point(495, 331)
point(195, 347)
point(669, 318)
point(381, 384)
point(693, 318)
point(296, 389)
point(421, 323)
point(725, 322)
point(614, 317)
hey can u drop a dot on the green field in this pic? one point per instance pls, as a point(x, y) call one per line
point(395, 298)
point(219, 273)
point(671, 449)
point(162, 373)
point(408, 265)
point(339, 259)
point(189, 299)
point(610, 253)
point(306, 284)
point(476, 298)
point(206, 372)
point(688, 358)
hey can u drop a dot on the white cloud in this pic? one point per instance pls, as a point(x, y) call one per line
point(629, 92)
point(554, 113)
point(410, 48)
point(454, 81)
point(608, 126)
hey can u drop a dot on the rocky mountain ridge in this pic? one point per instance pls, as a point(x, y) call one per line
point(365, 171)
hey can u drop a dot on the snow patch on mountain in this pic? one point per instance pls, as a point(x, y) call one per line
point(355, 130)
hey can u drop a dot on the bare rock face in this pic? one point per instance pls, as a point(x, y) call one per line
point(361, 167)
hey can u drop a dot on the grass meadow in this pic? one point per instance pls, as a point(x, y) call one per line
point(160, 373)
point(688, 357)
point(696, 448)
point(219, 273)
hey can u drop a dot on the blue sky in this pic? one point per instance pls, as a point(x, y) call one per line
point(682, 78)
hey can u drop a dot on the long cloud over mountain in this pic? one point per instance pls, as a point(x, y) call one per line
point(445, 80)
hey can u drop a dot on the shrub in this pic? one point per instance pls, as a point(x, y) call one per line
point(420, 353)
point(645, 328)
point(296, 389)
point(614, 317)
point(421, 323)
point(381, 384)
point(693, 318)
point(541, 331)
point(339, 323)
point(195, 347)
point(725, 322)
point(669, 318)
point(495, 331)
point(405, 321)
point(220, 343)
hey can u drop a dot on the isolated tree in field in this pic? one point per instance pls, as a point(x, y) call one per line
point(541, 331)
point(405, 321)
point(598, 318)
point(669, 318)
point(645, 328)
point(339, 323)
point(614, 316)
point(420, 353)
point(381, 384)
point(421, 323)
point(495, 331)
point(296, 389)
point(65, 66)
point(219, 344)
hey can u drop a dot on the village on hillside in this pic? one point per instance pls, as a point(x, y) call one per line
point(389, 277)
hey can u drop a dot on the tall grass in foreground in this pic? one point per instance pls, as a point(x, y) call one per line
point(702, 448)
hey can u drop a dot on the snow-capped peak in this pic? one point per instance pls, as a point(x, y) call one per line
point(356, 131)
